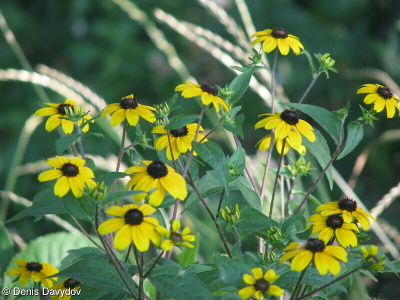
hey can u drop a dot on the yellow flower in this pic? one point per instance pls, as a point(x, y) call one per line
point(287, 124)
point(278, 38)
point(71, 173)
point(260, 284)
point(129, 109)
point(175, 238)
point(133, 225)
point(264, 143)
point(371, 260)
point(58, 114)
point(64, 288)
point(325, 257)
point(156, 174)
point(180, 140)
point(334, 226)
point(382, 97)
point(349, 210)
point(38, 271)
point(208, 94)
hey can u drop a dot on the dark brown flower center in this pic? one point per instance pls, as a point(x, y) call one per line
point(347, 204)
point(384, 92)
point(133, 217)
point(209, 88)
point(69, 170)
point(176, 237)
point(334, 221)
point(290, 117)
point(63, 108)
point(183, 131)
point(315, 245)
point(262, 285)
point(34, 266)
point(279, 33)
point(157, 169)
point(129, 102)
point(71, 283)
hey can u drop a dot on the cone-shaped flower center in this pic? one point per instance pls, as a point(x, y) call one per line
point(71, 283)
point(347, 204)
point(69, 170)
point(315, 245)
point(290, 117)
point(34, 266)
point(157, 169)
point(334, 221)
point(176, 237)
point(262, 285)
point(384, 92)
point(133, 217)
point(129, 102)
point(279, 33)
point(183, 131)
point(209, 88)
point(63, 108)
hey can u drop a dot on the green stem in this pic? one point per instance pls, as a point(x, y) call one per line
point(289, 196)
point(79, 141)
point(120, 154)
point(276, 179)
point(309, 87)
point(154, 264)
point(127, 253)
point(296, 288)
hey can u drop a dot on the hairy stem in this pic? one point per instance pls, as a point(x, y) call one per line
point(309, 87)
point(276, 179)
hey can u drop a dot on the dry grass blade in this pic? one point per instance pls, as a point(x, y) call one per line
point(246, 17)
point(386, 201)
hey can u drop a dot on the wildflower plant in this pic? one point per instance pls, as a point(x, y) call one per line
point(131, 208)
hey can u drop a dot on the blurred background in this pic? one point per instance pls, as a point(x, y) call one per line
point(118, 47)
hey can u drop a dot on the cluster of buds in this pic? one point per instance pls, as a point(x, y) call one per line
point(368, 116)
point(226, 93)
point(162, 110)
point(230, 216)
point(300, 167)
point(98, 191)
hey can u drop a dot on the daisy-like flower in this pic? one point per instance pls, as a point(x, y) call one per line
point(372, 261)
point(325, 258)
point(58, 113)
point(208, 94)
point(278, 38)
point(133, 225)
point(382, 97)
point(287, 124)
point(260, 284)
point(264, 143)
point(38, 271)
point(175, 238)
point(180, 140)
point(71, 173)
point(64, 289)
point(156, 174)
point(334, 226)
point(129, 109)
point(349, 210)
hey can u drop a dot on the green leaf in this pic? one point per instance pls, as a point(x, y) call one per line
point(119, 196)
point(326, 119)
point(188, 255)
point(64, 142)
point(321, 152)
point(180, 121)
point(79, 208)
point(236, 163)
point(355, 133)
point(108, 178)
point(236, 128)
point(240, 84)
point(253, 221)
point(6, 248)
point(243, 185)
point(44, 202)
point(288, 223)
point(230, 270)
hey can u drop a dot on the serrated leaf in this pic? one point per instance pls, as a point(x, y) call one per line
point(230, 270)
point(180, 121)
point(326, 119)
point(108, 178)
point(236, 128)
point(243, 185)
point(240, 84)
point(290, 221)
point(64, 142)
point(79, 208)
point(355, 133)
point(253, 221)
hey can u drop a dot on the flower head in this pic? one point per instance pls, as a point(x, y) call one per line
point(287, 124)
point(372, 261)
point(265, 142)
point(133, 225)
point(260, 284)
point(278, 38)
point(334, 226)
point(349, 210)
point(175, 238)
point(71, 173)
point(62, 287)
point(38, 271)
point(325, 258)
point(58, 113)
point(208, 94)
point(179, 140)
point(156, 174)
point(382, 97)
point(129, 109)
